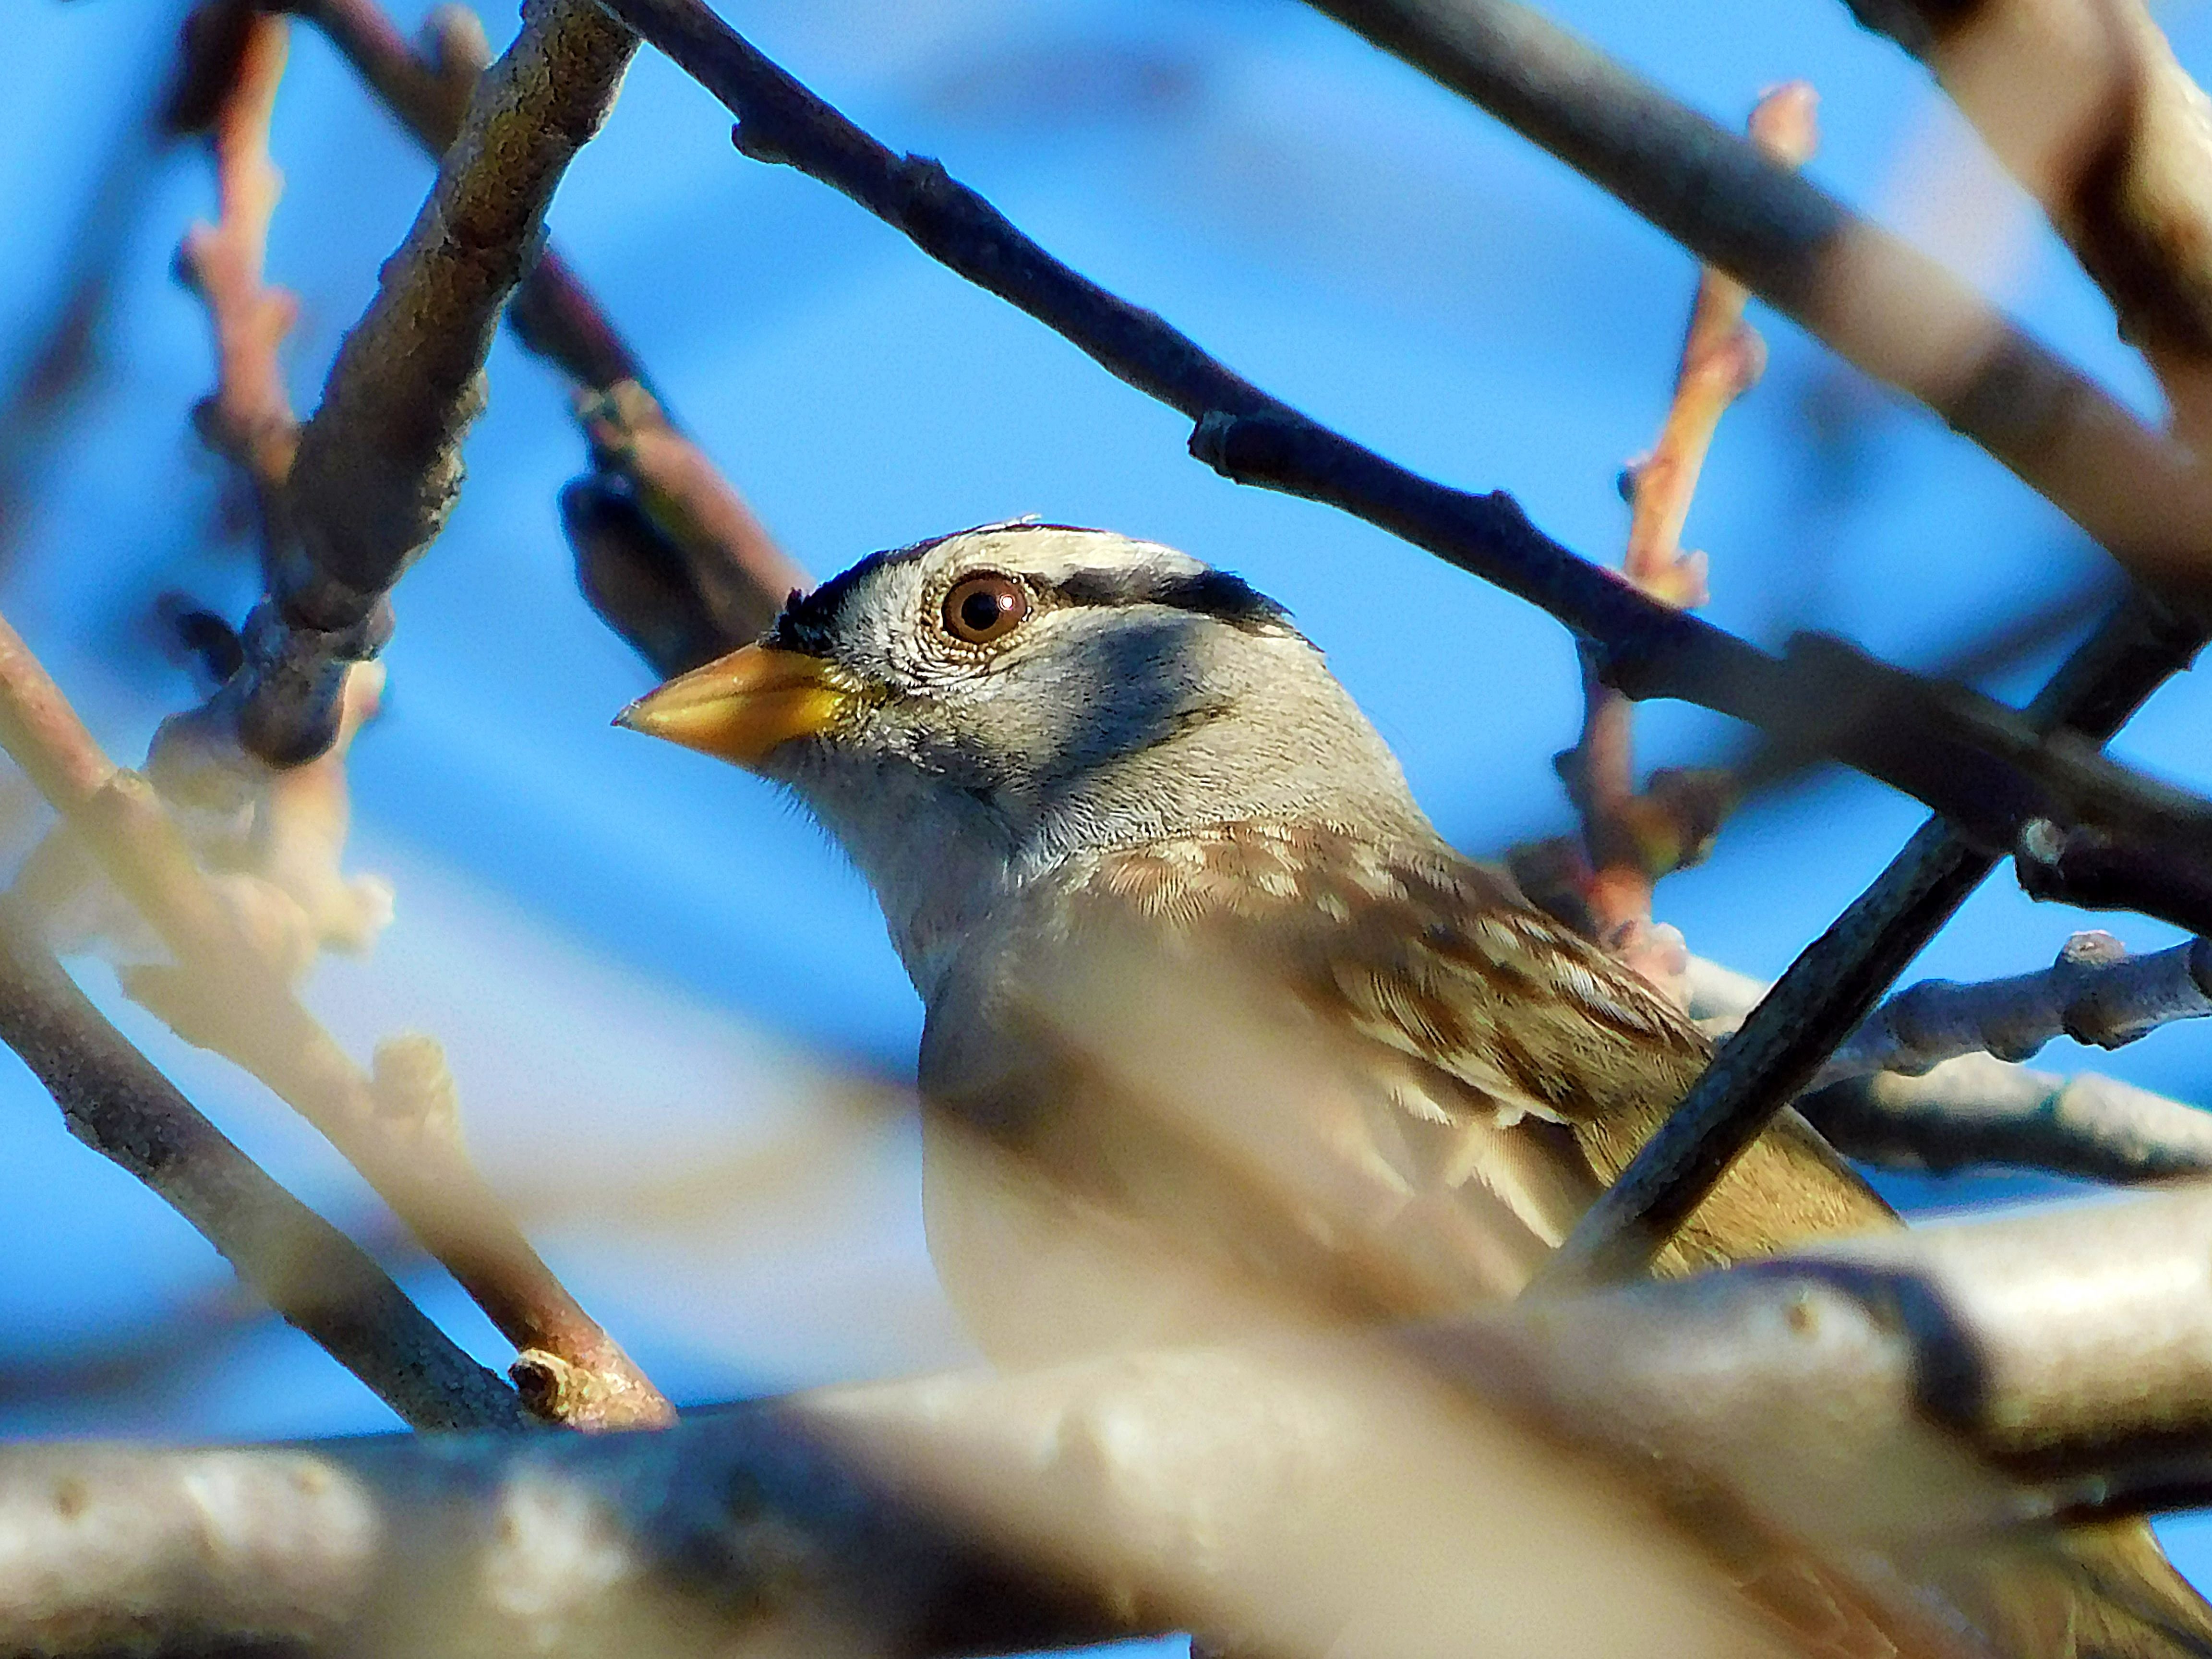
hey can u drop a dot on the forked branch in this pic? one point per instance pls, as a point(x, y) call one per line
point(1986, 767)
point(379, 464)
point(115, 1101)
point(224, 992)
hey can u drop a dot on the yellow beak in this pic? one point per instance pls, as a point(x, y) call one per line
point(742, 706)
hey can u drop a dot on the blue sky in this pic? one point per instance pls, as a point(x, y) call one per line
point(642, 962)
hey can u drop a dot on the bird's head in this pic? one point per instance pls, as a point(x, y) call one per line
point(969, 710)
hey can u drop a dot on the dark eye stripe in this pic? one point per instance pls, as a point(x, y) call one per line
point(1214, 593)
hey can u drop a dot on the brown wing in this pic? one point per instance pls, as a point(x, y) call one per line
point(1500, 1017)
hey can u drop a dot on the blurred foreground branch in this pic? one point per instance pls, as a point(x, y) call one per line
point(1893, 312)
point(115, 1101)
point(1546, 1480)
point(1987, 768)
point(225, 988)
point(2084, 103)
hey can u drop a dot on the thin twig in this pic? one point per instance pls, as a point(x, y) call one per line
point(1631, 837)
point(1892, 311)
point(224, 993)
point(1833, 985)
point(1983, 765)
point(249, 418)
point(117, 1102)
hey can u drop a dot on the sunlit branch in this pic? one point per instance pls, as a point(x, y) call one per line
point(115, 1101)
point(378, 466)
point(224, 992)
point(1630, 836)
point(1563, 1460)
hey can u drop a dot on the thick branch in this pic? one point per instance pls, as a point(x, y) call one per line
point(552, 313)
point(1979, 763)
point(117, 1102)
point(1910, 1401)
point(379, 464)
point(1833, 985)
point(2084, 102)
point(1893, 312)
point(224, 993)
point(666, 551)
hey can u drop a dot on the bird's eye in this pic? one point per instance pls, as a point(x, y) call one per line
point(985, 609)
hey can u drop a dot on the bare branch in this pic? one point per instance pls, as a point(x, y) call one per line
point(226, 991)
point(1632, 837)
point(1834, 983)
point(113, 1100)
point(249, 419)
point(1891, 310)
point(552, 313)
point(379, 464)
point(1916, 1407)
point(2096, 870)
point(1975, 1110)
point(665, 550)
point(1986, 767)
point(2083, 101)
point(2095, 993)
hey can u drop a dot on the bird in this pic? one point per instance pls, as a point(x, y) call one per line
point(1221, 1033)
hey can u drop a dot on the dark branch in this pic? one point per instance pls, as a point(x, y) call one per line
point(1977, 762)
point(1881, 305)
point(115, 1102)
point(1828, 991)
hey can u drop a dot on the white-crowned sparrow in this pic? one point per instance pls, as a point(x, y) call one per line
point(1240, 1036)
